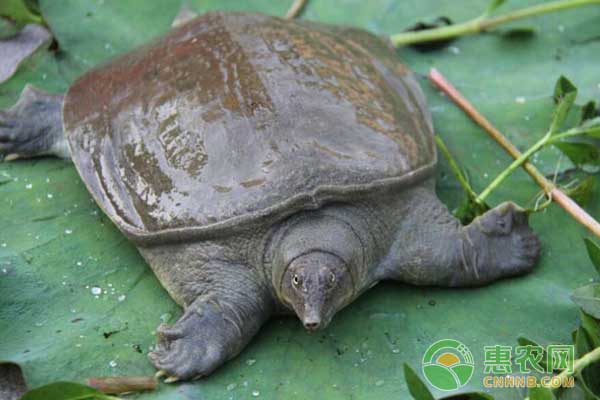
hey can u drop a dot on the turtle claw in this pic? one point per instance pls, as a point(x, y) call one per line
point(171, 379)
point(160, 374)
point(196, 345)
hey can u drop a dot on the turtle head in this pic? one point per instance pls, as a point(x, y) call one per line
point(316, 285)
point(315, 266)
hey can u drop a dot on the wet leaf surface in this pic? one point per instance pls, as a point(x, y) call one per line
point(67, 275)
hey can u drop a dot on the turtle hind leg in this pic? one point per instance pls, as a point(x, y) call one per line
point(33, 126)
point(432, 248)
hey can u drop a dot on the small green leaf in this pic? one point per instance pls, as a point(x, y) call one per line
point(591, 127)
point(518, 32)
point(470, 396)
point(582, 342)
point(469, 210)
point(593, 252)
point(590, 376)
point(523, 341)
point(493, 6)
point(17, 11)
point(581, 192)
point(563, 88)
point(588, 111)
point(438, 22)
point(33, 6)
point(591, 327)
point(66, 391)
point(416, 387)
point(541, 393)
point(7, 28)
point(588, 298)
point(580, 154)
point(564, 96)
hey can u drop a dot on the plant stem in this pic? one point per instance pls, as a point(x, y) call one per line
point(123, 384)
point(581, 363)
point(484, 22)
point(511, 168)
point(295, 9)
point(454, 167)
point(579, 214)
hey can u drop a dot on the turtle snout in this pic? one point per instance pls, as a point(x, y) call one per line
point(312, 322)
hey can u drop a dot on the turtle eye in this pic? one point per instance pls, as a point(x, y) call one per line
point(331, 280)
point(296, 281)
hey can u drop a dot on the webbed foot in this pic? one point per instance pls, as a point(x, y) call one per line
point(203, 339)
point(33, 126)
point(499, 244)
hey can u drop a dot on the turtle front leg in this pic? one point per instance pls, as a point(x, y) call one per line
point(33, 126)
point(213, 329)
point(441, 252)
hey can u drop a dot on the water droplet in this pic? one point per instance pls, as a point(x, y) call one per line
point(96, 290)
point(520, 99)
point(79, 263)
point(3, 245)
point(250, 361)
point(231, 386)
point(255, 393)
point(454, 50)
point(68, 231)
point(50, 195)
point(561, 28)
point(29, 186)
point(112, 364)
point(379, 382)
point(165, 317)
point(121, 297)
point(395, 351)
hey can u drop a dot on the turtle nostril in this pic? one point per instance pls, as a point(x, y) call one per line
point(311, 326)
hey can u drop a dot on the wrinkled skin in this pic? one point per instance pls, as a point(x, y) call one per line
point(276, 213)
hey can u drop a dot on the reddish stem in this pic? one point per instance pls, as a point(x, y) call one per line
point(549, 188)
point(123, 384)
